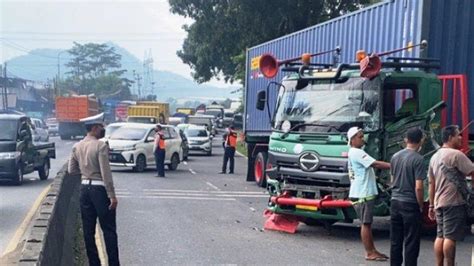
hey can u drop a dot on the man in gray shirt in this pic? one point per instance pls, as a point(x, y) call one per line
point(408, 173)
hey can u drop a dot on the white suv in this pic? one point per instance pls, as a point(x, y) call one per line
point(131, 145)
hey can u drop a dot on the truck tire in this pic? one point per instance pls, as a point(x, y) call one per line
point(18, 176)
point(250, 162)
point(44, 171)
point(319, 222)
point(174, 162)
point(260, 166)
point(140, 164)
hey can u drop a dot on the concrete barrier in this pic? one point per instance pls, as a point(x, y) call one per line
point(53, 230)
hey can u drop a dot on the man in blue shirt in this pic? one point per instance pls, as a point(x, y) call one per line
point(363, 190)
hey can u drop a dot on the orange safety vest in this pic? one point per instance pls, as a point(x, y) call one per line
point(232, 139)
point(161, 142)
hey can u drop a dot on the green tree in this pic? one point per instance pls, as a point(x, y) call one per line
point(95, 68)
point(223, 29)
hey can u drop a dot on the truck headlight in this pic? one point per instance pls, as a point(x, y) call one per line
point(9, 155)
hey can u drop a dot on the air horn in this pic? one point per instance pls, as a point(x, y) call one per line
point(269, 64)
point(370, 65)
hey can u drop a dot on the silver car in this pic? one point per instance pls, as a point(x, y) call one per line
point(39, 130)
point(199, 139)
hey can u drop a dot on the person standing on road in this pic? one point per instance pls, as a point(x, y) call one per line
point(363, 189)
point(90, 159)
point(447, 173)
point(406, 208)
point(160, 151)
point(230, 143)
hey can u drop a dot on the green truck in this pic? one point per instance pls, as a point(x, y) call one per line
point(306, 164)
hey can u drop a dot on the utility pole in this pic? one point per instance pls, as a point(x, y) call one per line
point(4, 92)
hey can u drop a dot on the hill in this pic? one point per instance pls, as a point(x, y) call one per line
point(42, 65)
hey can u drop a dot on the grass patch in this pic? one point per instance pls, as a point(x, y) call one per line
point(241, 145)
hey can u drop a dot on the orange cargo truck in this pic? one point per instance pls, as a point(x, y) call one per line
point(69, 110)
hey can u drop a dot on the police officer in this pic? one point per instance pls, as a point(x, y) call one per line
point(159, 151)
point(230, 142)
point(90, 159)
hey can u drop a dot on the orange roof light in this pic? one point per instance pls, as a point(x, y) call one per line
point(361, 54)
point(306, 59)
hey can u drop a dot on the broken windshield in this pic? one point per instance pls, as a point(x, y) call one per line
point(329, 106)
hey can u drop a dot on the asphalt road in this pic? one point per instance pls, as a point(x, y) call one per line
point(16, 201)
point(196, 216)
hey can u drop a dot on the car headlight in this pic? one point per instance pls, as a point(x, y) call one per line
point(9, 155)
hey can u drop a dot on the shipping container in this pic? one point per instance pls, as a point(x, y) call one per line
point(448, 26)
point(69, 110)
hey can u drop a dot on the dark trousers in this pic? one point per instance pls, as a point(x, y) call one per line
point(160, 161)
point(229, 153)
point(405, 229)
point(95, 204)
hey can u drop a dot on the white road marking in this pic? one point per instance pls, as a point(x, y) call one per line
point(205, 194)
point(174, 197)
point(192, 171)
point(211, 185)
point(185, 163)
point(208, 191)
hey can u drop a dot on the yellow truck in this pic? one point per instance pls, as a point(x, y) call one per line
point(149, 113)
point(186, 111)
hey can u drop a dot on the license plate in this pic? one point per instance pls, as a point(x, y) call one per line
point(307, 208)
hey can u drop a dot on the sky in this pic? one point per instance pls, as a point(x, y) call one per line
point(137, 26)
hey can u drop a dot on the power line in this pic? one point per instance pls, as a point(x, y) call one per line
point(23, 49)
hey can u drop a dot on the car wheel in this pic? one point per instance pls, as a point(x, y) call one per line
point(141, 164)
point(18, 176)
point(174, 162)
point(44, 171)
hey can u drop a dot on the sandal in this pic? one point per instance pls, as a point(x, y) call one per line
point(377, 258)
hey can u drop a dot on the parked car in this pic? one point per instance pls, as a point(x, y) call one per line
point(131, 145)
point(40, 130)
point(53, 126)
point(19, 155)
point(199, 139)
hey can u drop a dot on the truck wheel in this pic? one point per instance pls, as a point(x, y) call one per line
point(18, 176)
point(141, 164)
point(250, 163)
point(174, 162)
point(44, 171)
point(260, 172)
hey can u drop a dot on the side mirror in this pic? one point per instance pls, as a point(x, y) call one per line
point(261, 100)
point(150, 139)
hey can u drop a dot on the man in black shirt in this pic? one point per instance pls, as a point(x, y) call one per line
point(408, 173)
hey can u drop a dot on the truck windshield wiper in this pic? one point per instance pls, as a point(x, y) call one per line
point(308, 124)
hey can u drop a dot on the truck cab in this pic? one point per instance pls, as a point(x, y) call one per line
point(308, 147)
point(19, 155)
